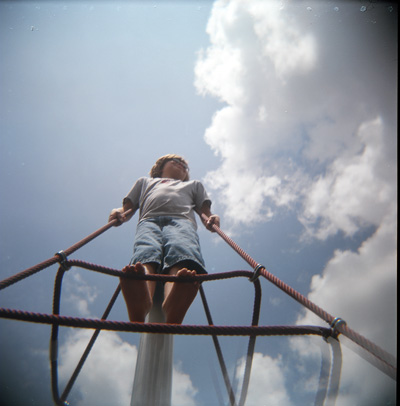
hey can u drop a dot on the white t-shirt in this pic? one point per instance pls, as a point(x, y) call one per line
point(167, 197)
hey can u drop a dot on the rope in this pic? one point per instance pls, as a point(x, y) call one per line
point(252, 342)
point(54, 340)
point(158, 277)
point(218, 350)
point(368, 345)
point(250, 350)
point(56, 258)
point(89, 347)
point(162, 328)
point(54, 336)
point(338, 325)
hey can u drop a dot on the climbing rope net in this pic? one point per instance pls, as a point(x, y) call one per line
point(376, 355)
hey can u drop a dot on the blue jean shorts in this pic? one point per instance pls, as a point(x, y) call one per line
point(168, 241)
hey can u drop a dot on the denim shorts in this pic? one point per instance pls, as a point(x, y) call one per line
point(168, 241)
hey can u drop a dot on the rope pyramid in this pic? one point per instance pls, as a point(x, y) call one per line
point(378, 357)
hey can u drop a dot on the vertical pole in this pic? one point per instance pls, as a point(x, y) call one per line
point(153, 375)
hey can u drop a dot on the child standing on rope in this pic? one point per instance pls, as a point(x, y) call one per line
point(166, 239)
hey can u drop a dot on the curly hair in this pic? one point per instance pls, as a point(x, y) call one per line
point(157, 168)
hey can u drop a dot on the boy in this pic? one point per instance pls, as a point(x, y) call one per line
point(166, 238)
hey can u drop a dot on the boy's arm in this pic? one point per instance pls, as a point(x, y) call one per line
point(212, 218)
point(119, 213)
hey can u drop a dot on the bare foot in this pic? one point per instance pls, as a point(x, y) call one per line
point(179, 296)
point(136, 294)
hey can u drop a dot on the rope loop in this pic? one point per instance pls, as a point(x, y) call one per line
point(63, 260)
point(256, 272)
point(337, 321)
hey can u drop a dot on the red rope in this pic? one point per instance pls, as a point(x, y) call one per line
point(363, 342)
point(56, 258)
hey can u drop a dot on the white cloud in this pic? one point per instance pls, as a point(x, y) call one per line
point(297, 118)
point(183, 391)
point(309, 124)
point(79, 294)
point(107, 376)
point(267, 383)
point(253, 53)
point(108, 373)
point(355, 191)
point(289, 49)
point(360, 287)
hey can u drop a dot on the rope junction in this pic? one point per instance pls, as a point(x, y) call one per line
point(383, 360)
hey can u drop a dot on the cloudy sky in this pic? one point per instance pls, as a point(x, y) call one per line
point(287, 111)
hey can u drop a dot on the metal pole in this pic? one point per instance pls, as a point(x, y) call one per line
point(152, 385)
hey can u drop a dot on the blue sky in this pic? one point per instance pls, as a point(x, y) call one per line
point(288, 114)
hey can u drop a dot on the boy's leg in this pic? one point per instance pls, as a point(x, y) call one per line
point(178, 296)
point(138, 294)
